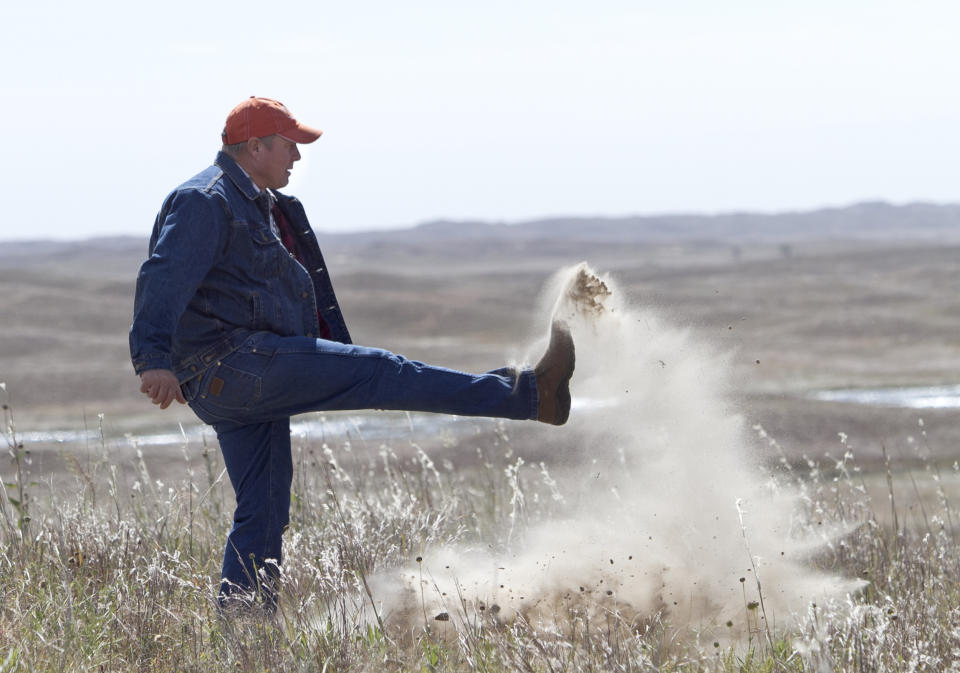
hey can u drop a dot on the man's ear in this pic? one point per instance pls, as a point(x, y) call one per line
point(254, 145)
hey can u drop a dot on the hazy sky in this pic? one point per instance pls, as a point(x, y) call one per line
point(490, 110)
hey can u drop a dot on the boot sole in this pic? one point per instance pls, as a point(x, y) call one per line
point(561, 332)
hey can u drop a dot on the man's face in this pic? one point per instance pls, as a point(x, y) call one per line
point(271, 162)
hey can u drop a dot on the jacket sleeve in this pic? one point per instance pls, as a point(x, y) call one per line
point(189, 235)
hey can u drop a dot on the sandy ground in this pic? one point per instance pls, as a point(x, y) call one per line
point(791, 321)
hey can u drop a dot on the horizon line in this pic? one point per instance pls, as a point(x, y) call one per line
point(545, 218)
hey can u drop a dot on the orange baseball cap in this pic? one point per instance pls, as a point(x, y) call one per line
point(261, 117)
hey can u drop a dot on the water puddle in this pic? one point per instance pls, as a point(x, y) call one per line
point(917, 397)
point(368, 426)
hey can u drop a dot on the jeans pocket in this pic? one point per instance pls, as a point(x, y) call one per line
point(261, 345)
point(234, 386)
point(191, 388)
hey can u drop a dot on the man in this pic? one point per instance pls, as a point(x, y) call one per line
point(236, 316)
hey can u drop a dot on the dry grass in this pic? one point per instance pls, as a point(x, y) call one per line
point(119, 574)
point(113, 566)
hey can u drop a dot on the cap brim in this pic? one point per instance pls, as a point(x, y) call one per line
point(301, 134)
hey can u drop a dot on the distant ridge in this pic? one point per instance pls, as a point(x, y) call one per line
point(875, 221)
point(868, 221)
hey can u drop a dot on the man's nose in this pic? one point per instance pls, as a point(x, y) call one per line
point(296, 153)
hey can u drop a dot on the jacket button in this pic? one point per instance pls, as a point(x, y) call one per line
point(193, 368)
point(310, 334)
point(304, 295)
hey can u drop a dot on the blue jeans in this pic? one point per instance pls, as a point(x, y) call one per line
point(249, 396)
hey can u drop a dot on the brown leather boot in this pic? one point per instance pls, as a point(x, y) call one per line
point(553, 374)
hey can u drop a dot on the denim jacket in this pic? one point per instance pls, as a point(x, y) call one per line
point(217, 272)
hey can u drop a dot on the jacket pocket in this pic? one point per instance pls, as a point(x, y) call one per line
point(256, 311)
point(267, 253)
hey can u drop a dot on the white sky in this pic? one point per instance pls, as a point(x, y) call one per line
point(491, 110)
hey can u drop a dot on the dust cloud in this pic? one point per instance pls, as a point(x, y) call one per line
point(664, 509)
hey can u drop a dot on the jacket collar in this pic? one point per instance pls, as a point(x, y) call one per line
point(237, 175)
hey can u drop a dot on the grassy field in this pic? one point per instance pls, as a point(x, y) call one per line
point(109, 553)
point(119, 574)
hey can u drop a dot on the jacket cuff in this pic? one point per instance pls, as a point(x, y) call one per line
point(152, 361)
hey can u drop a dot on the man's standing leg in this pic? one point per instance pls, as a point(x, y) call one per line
point(259, 462)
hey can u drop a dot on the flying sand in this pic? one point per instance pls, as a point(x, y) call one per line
point(665, 508)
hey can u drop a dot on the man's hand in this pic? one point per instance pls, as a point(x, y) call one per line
point(161, 386)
